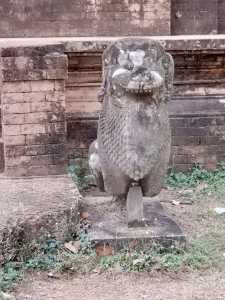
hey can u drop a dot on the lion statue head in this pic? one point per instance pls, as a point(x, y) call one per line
point(137, 65)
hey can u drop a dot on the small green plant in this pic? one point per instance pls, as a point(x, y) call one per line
point(46, 257)
point(201, 254)
point(80, 173)
point(9, 277)
point(215, 181)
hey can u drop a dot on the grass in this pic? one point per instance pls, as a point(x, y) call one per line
point(214, 181)
point(202, 253)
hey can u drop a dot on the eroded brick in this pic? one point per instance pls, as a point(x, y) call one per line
point(11, 130)
point(16, 87)
point(16, 171)
point(32, 118)
point(14, 140)
point(35, 150)
point(38, 170)
point(16, 108)
point(56, 127)
point(13, 151)
point(13, 119)
point(32, 128)
point(10, 98)
point(58, 169)
point(42, 85)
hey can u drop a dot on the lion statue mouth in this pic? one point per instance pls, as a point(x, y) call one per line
point(140, 80)
point(135, 71)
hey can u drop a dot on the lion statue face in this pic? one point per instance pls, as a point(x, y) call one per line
point(138, 66)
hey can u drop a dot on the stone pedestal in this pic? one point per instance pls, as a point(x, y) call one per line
point(109, 225)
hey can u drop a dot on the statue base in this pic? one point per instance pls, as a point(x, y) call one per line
point(109, 225)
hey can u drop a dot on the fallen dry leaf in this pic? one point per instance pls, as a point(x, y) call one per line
point(73, 247)
point(84, 216)
point(104, 250)
point(201, 186)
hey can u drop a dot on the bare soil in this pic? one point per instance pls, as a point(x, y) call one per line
point(197, 219)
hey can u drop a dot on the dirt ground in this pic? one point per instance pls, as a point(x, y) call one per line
point(196, 218)
point(127, 286)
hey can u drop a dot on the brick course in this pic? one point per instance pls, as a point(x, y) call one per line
point(109, 18)
point(84, 18)
point(33, 111)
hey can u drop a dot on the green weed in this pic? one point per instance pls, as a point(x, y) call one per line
point(204, 254)
point(9, 277)
point(80, 173)
point(215, 181)
point(200, 254)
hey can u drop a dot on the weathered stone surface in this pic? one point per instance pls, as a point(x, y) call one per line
point(2, 161)
point(109, 225)
point(84, 18)
point(195, 17)
point(134, 131)
point(134, 205)
point(114, 18)
point(34, 209)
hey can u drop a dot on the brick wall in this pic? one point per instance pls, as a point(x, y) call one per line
point(33, 110)
point(49, 18)
point(221, 16)
point(36, 104)
point(197, 110)
point(194, 17)
point(2, 161)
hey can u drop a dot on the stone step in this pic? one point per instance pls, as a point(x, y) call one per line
point(34, 209)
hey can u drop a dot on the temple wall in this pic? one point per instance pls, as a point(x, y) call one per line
point(50, 18)
point(71, 18)
point(197, 110)
point(33, 110)
point(195, 17)
point(221, 16)
point(50, 110)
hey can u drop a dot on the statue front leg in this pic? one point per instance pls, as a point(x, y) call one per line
point(95, 166)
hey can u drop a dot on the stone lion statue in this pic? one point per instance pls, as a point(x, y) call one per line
point(133, 142)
